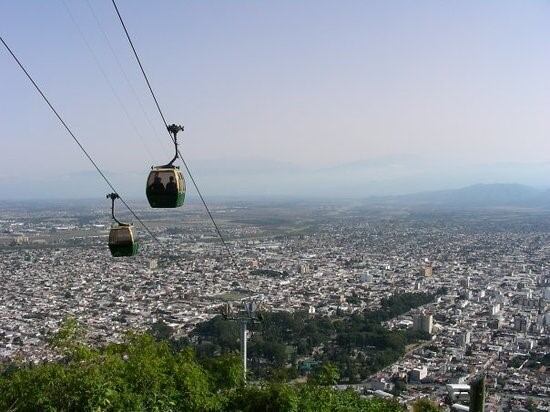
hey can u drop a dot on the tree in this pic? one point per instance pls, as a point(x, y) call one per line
point(225, 371)
point(327, 375)
point(425, 405)
point(161, 330)
point(69, 340)
point(142, 373)
point(70, 334)
point(399, 387)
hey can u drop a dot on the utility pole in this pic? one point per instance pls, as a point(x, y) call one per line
point(248, 313)
point(244, 338)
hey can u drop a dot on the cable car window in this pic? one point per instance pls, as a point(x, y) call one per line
point(162, 182)
point(165, 188)
point(172, 184)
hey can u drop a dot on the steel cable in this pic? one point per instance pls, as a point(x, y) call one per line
point(75, 138)
point(166, 126)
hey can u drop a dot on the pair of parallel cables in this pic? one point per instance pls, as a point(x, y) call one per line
point(89, 157)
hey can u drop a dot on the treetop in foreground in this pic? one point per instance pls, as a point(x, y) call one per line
point(143, 374)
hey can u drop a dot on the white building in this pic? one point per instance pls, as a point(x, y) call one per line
point(417, 374)
point(424, 323)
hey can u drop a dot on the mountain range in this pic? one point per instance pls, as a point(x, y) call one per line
point(267, 178)
point(474, 196)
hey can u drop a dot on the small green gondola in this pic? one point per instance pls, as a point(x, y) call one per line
point(165, 186)
point(122, 236)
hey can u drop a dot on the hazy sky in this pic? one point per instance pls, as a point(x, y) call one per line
point(313, 83)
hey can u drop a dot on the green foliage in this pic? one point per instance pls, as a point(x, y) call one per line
point(353, 299)
point(477, 394)
point(274, 352)
point(304, 398)
point(269, 273)
point(69, 338)
point(516, 362)
point(400, 303)
point(223, 336)
point(161, 331)
point(283, 337)
point(145, 374)
point(139, 374)
point(534, 360)
point(425, 405)
point(328, 374)
point(284, 374)
point(377, 346)
point(225, 371)
point(273, 397)
point(399, 387)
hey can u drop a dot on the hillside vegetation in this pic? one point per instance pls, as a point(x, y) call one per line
point(145, 374)
point(284, 344)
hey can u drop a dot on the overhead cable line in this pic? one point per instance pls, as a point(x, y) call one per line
point(75, 138)
point(171, 138)
point(107, 79)
point(128, 82)
point(142, 69)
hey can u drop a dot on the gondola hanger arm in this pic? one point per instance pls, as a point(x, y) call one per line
point(113, 197)
point(173, 129)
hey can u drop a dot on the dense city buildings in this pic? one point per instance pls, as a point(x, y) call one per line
point(492, 319)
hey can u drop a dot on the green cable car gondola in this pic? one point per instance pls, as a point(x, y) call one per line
point(165, 184)
point(122, 236)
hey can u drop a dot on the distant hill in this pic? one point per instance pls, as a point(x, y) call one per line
point(479, 195)
point(259, 178)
